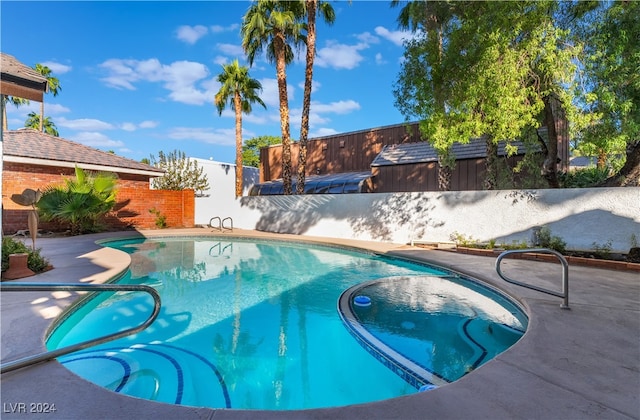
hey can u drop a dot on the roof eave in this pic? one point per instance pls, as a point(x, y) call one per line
point(88, 166)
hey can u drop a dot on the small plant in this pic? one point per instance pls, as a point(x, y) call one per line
point(35, 261)
point(553, 242)
point(491, 244)
point(161, 219)
point(633, 240)
point(461, 240)
point(602, 251)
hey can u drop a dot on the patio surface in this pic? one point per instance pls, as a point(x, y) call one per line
point(582, 363)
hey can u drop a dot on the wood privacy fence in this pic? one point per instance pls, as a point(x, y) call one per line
point(355, 152)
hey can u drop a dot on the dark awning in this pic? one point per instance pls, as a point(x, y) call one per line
point(342, 183)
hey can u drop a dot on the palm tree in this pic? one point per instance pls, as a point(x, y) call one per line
point(329, 17)
point(273, 26)
point(34, 121)
point(54, 88)
point(18, 102)
point(240, 91)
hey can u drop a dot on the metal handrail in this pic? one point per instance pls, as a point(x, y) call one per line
point(48, 287)
point(221, 227)
point(219, 222)
point(565, 273)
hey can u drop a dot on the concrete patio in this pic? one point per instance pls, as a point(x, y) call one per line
point(582, 363)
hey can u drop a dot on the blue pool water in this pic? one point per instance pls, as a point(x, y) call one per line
point(248, 325)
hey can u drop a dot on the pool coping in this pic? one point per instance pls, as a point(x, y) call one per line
point(581, 363)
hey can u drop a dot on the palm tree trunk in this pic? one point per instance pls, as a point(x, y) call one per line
point(4, 112)
point(284, 112)
point(306, 101)
point(237, 103)
point(42, 115)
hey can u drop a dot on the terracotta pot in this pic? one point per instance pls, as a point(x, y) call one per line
point(17, 267)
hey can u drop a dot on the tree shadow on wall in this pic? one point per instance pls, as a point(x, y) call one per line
point(387, 213)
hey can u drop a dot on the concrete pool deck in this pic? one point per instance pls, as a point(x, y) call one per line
point(582, 363)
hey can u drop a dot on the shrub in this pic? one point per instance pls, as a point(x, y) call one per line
point(35, 261)
point(553, 242)
point(583, 178)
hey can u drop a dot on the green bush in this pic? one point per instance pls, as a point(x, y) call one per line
point(550, 241)
point(583, 178)
point(35, 261)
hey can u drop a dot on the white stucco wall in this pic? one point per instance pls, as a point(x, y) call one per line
point(581, 217)
point(220, 199)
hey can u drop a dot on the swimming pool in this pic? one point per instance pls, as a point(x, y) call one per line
point(249, 325)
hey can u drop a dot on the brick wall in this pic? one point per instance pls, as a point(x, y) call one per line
point(134, 198)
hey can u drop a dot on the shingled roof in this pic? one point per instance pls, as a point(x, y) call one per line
point(421, 152)
point(31, 146)
point(17, 79)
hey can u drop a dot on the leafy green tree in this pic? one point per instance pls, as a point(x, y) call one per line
point(240, 91)
point(33, 121)
point(81, 203)
point(611, 33)
point(496, 69)
point(251, 149)
point(274, 27)
point(181, 173)
point(54, 88)
point(329, 16)
point(420, 89)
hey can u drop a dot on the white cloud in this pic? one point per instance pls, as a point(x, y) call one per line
point(340, 56)
point(84, 124)
point(397, 37)
point(57, 68)
point(191, 34)
point(368, 38)
point(379, 59)
point(148, 124)
point(231, 49)
point(221, 60)
point(321, 132)
point(55, 109)
point(218, 28)
point(97, 140)
point(338, 107)
point(179, 78)
point(221, 136)
point(129, 126)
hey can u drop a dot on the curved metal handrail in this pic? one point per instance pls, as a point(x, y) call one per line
point(221, 227)
point(48, 287)
point(565, 273)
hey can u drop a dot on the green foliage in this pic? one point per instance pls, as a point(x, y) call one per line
point(462, 240)
point(161, 219)
point(251, 149)
point(35, 261)
point(583, 178)
point(80, 203)
point(611, 34)
point(181, 173)
point(547, 240)
point(33, 121)
point(602, 251)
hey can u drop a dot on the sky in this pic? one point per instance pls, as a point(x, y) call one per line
point(138, 78)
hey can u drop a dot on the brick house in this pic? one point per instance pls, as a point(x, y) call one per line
point(35, 160)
